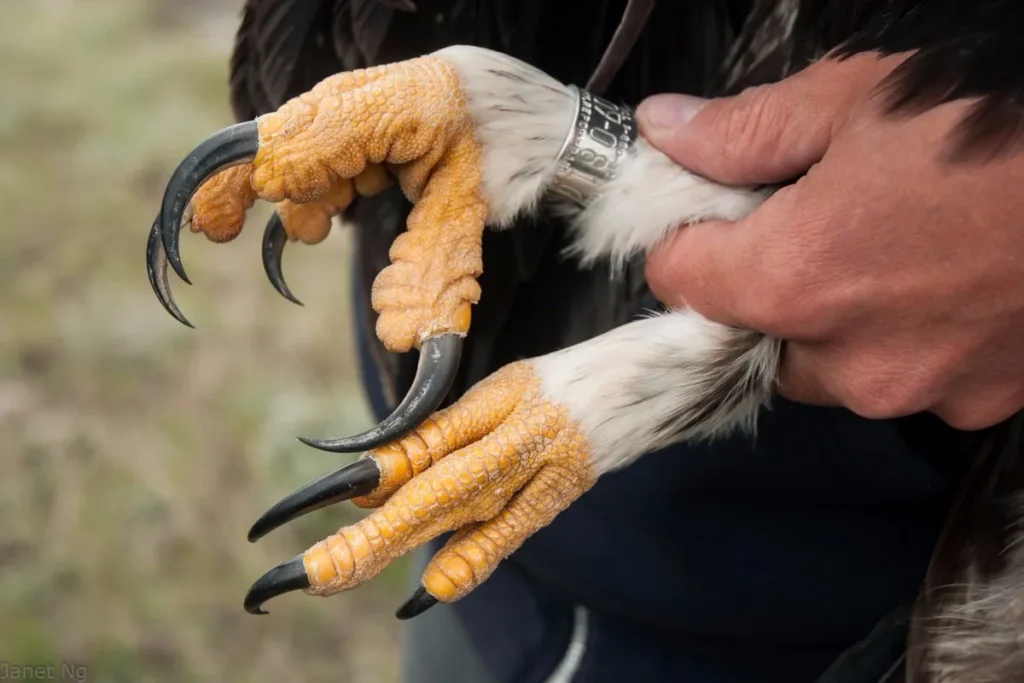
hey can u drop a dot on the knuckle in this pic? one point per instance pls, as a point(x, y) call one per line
point(752, 125)
point(883, 395)
point(969, 412)
point(966, 419)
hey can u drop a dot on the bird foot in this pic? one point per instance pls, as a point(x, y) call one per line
point(315, 154)
point(495, 467)
point(353, 134)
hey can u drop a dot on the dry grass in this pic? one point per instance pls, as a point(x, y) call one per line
point(137, 452)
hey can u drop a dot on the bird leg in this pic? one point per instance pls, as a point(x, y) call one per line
point(312, 157)
point(516, 450)
point(496, 467)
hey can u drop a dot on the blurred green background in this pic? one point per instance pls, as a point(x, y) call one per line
point(137, 452)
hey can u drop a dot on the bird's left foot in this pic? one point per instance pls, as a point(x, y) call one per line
point(495, 467)
point(315, 154)
point(352, 135)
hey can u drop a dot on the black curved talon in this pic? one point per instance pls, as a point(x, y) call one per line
point(351, 481)
point(231, 146)
point(274, 241)
point(284, 578)
point(439, 361)
point(156, 268)
point(419, 603)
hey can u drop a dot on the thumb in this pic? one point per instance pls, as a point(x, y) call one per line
point(766, 134)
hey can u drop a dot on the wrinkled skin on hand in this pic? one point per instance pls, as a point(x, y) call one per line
point(895, 272)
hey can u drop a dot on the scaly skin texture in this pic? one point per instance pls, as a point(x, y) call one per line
point(325, 146)
point(497, 466)
point(311, 222)
point(220, 204)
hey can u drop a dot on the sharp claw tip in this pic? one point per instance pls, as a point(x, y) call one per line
point(233, 145)
point(435, 373)
point(181, 318)
point(284, 578)
point(274, 241)
point(179, 269)
point(259, 529)
point(156, 270)
point(419, 603)
point(355, 479)
point(322, 445)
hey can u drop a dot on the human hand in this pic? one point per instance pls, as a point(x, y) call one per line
point(895, 275)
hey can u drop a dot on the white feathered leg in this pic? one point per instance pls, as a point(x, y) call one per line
point(648, 383)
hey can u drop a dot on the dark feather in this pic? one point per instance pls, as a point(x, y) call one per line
point(359, 30)
point(634, 19)
point(285, 27)
point(284, 47)
point(402, 5)
point(964, 50)
point(247, 95)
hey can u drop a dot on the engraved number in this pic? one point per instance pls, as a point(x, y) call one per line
point(594, 160)
point(609, 111)
point(602, 136)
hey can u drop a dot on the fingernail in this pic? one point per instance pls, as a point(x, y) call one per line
point(670, 111)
